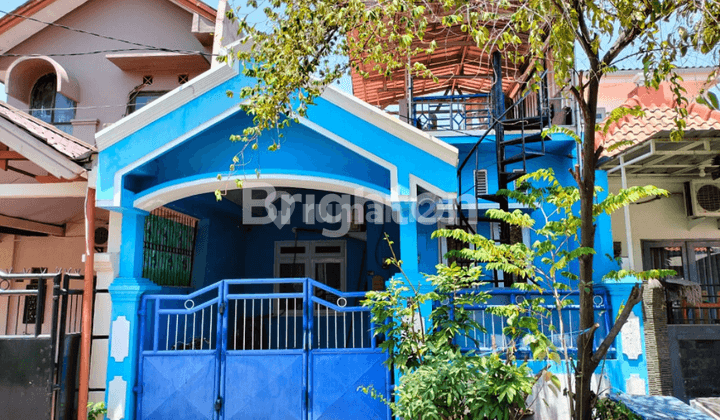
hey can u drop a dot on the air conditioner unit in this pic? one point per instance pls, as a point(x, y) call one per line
point(702, 198)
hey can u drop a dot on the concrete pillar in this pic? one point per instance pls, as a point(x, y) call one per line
point(656, 339)
point(125, 293)
point(631, 377)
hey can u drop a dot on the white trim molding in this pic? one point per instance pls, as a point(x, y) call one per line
point(117, 182)
point(164, 105)
point(392, 125)
point(359, 150)
point(181, 190)
point(416, 181)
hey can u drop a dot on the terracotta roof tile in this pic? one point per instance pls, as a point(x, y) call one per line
point(660, 115)
point(64, 143)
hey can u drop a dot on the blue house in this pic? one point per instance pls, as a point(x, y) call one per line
point(249, 306)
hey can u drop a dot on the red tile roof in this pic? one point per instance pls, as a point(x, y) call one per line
point(64, 143)
point(660, 114)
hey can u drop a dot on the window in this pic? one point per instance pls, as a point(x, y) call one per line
point(169, 247)
point(324, 261)
point(47, 104)
point(143, 98)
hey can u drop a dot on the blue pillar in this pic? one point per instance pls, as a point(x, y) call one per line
point(125, 292)
point(631, 372)
point(603, 233)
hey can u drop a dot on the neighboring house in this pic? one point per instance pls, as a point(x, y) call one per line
point(678, 232)
point(70, 68)
point(266, 322)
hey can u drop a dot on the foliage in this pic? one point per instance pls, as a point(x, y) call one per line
point(457, 386)
point(607, 409)
point(439, 380)
point(96, 411)
point(293, 57)
point(550, 263)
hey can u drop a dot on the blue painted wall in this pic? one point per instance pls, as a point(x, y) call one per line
point(227, 248)
point(302, 152)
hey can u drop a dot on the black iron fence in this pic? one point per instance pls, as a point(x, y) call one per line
point(40, 320)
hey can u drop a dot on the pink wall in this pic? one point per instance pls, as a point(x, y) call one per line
point(158, 23)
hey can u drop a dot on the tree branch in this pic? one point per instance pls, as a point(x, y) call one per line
point(584, 36)
point(634, 298)
point(623, 41)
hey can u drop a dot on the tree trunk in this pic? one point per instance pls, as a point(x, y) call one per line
point(585, 365)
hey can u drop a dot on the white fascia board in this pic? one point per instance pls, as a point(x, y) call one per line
point(55, 190)
point(164, 105)
point(27, 28)
point(38, 152)
point(389, 124)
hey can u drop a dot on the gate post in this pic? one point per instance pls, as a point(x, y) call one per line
point(126, 292)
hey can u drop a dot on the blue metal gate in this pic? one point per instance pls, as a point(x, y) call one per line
point(259, 349)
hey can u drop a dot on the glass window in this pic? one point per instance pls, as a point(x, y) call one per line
point(143, 98)
point(324, 261)
point(47, 104)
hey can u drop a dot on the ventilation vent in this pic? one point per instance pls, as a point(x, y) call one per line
point(705, 198)
point(147, 80)
point(183, 78)
point(101, 235)
point(481, 182)
point(516, 182)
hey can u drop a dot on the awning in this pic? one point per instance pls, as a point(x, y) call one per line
point(659, 156)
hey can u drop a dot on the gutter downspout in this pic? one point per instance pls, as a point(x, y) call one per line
point(88, 297)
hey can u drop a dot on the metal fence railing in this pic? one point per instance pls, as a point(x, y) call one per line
point(258, 314)
point(704, 313)
point(40, 321)
point(493, 338)
point(452, 112)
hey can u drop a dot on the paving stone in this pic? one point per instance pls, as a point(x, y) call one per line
point(659, 408)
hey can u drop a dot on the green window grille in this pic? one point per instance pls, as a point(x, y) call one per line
point(169, 247)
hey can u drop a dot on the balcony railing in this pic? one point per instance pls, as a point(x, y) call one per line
point(452, 112)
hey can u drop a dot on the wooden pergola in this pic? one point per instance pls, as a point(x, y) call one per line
point(458, 63)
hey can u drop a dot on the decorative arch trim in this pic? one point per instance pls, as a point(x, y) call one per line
point(24, 72)
point(188, 188)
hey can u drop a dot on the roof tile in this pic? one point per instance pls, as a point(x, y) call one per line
point(660, 115)
point(64, 143)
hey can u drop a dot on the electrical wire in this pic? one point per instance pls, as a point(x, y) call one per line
point(114, 50)
point(95, 34)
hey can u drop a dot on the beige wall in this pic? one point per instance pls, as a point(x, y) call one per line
point(616, 87)
point(158, 23)
point(660, 219)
